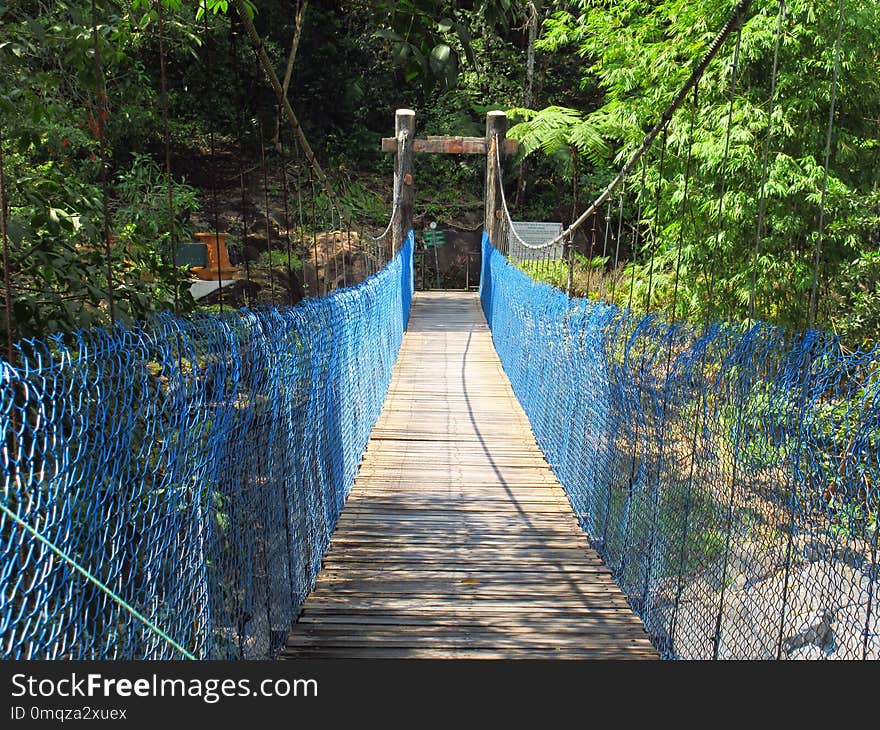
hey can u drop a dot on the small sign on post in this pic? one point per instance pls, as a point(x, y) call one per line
point(434, 237)
point(534, 233)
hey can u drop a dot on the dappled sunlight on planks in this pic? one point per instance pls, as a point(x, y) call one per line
point(457, 541)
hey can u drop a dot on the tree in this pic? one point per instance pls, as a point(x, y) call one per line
point(639, 53)
point(53, 110)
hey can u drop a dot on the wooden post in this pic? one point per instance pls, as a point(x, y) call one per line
point(496, 129)
point(404, 120)
point(570, 257)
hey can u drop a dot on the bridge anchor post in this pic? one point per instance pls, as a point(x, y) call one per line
point(404, 121)
point(496, 131)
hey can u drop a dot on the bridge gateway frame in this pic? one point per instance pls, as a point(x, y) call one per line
point(404, 145)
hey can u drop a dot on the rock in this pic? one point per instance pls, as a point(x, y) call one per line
point(850, 557)
point(259, 226)
point(813, 628)
point(814, 551)
point(807, 652)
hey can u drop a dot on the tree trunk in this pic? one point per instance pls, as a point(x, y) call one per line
point(528, 92)
point(301, 8)
point(287, 110)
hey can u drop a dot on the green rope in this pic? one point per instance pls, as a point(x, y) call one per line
point(133, 611)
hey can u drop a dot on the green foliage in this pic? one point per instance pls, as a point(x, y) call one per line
point(140, 221)
point(50, 115)
point(639, 53)
point(277, 258)
point(558, 129)
point(363, 203)
point(431, 40)
point(587, 274)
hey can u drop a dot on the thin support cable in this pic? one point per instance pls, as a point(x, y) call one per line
point(7, 278)
point(245, 258)
point(657, 199)
point(351, 255)
point(689, 499)
point(570, 273)
point(617, 247)
point(814, 289)
point(314, 229)
point(590, 256)
point(301, 223)
point(100, 116)
point(762, 200)
point(724, 160)
point(269, 251)
point(638, 233)
point(684, 208)
point(166, 139)
point(211, 94)
point(285, 191)
point(95, 581)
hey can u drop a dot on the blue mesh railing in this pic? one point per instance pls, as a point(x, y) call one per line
point(728, 477)
point(191, 471)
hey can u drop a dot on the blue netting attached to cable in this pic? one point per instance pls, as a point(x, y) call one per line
point(196, 467)
point(729, 478)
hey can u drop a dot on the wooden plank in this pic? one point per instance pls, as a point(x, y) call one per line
point(492, 635)
point(457, 540)
point(434, 606)
point(461, 640)
point(450, 145)
point(386, 652)
point(450, 616)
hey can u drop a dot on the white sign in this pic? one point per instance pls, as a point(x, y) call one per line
point(535, 233)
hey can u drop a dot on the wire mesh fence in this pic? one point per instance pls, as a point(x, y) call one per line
point(195, 468)
point(727, 475)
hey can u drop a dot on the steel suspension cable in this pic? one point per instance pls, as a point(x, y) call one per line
point(733, 22)
point(397, 193)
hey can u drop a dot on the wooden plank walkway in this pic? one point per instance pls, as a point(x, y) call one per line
point(457, 541)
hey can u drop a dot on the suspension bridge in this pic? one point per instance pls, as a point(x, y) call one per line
point(384, 472)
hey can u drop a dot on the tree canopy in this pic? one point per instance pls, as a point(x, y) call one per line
point(582, 81)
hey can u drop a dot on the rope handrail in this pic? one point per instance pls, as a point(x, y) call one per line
point(736, 17)
point(398, 191)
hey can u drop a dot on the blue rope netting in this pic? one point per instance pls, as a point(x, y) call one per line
point(196, 467)
point(728, 477)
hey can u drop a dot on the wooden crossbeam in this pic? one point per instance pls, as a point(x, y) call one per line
point(450, 145)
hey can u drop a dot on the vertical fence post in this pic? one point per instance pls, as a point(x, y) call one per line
point(570, 262)
point(404, 120)
point(496, 130)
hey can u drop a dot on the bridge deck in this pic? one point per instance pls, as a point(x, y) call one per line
point(457, 541)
